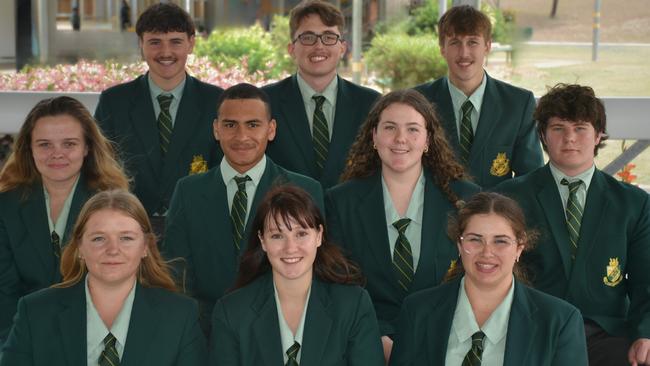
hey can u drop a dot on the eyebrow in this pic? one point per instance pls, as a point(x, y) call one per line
point(237, 121)
point(407, 123)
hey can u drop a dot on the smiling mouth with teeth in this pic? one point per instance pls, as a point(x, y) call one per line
point(291, 260)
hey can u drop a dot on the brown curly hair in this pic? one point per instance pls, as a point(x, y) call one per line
point(440, 161)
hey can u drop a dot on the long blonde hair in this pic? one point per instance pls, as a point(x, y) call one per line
point(153, 271)
point(100, 168)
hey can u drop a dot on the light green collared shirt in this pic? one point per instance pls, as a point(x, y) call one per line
point(458, 98)
point(286, 335)
point(62, 220)
point(228, 173)
point(414, 212)
point(464, 325)
point(96, 330)
point(310, 105)
point(581, 194)
point(177, 92)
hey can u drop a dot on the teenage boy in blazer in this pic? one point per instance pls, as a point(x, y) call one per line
point(542, 330)
point(316, 46)
point(162, 330)
point(200, 230)
point(501, 140)
point(159, 140)
point(594, 247)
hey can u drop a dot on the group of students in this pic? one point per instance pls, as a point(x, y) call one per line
point(402, 261)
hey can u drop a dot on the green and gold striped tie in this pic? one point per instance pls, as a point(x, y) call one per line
point(320, 134)
point(466, 133)
point(475, 354)
point(292, 354)
point(56, 244)
point(238, 211)
point(109, 356)
point(573, 214)
point(402, 256)
point(165, 121)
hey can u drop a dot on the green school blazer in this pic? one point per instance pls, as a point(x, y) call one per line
point(609, 281)
point(505, 141)
point(340, 327)
point(126, 115)
point(293, 146)
point(357, 221)
point(27, 261)
point(50, 330)
point(198, 235)
point(542, 330)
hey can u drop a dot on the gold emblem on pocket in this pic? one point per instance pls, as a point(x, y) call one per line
point(614, 275)
point(500, 165)
point(198, 165)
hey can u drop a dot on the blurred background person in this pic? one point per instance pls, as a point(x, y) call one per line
point(116, 304)
point(297, 299)
point(59, 160)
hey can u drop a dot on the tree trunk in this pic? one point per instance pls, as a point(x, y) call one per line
point(554, 8)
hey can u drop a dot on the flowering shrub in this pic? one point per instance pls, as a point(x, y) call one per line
point(94, 76)
point(626, 173)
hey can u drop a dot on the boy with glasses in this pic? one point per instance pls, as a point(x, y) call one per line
point(318, 113)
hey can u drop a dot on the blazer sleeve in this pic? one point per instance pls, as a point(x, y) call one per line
point(527, 154)
point(224, 342)
point(639, 276)
point(193, 351)
point(18, 348)
point(103, 117)
point(571, 342)
point(9, 283)
point(176, 246)
point(364, 344)
point(404, 351)
point(333, 221)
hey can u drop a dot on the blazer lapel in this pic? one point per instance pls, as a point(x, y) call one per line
point(269, 178)
point(344, 130)
point(34, 215)
point(522, 329)
point(142, 328)
point(185, 125)
point(488, 120)
point(81, 195)
point(72, 323)
point(445, 109)
point(371, 211)
point(266, 327)
point(318, 324)
point(548, 198)
point(144, 124)
point(439, 324)
point(295, 117)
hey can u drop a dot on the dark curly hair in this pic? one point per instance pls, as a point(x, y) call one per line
point(486, 203)
point(164, 18)
point(363, 159)
point(572, 102)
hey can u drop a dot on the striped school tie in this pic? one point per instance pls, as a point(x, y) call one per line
point(292, 354)
point(573, 215)
point(475, 354)
point(164, 121)
point(109, 356)
point(238, 210)
point(320, 134)
point(466, 133)
point(402, 256)
point(56, 244)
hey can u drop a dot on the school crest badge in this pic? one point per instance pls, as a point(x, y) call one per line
point(452, 266)
point(500, 165)
point(198, 165)
point(613, 273)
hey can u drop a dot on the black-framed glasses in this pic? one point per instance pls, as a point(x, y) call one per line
point(310, 38)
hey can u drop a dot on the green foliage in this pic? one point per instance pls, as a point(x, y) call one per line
point(502, 28)
point(402, 61)
point(424, 19)
point(257, 49)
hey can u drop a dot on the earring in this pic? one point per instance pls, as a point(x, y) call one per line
point(374, 146)
point(426, 149)
point(517, 260)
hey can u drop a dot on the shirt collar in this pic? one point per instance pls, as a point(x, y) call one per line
point(255, 173)
point(61, 221)
point(155, 90)
point(97, 330)
point(585, 176)
point(495, 328)
point(285, 331)
point(308, 92)
point(458, 97)
point(416, 204)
